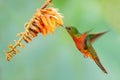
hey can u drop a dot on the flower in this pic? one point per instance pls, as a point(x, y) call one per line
point(43, 21)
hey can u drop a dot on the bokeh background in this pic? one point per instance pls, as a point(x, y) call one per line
point(55, 57)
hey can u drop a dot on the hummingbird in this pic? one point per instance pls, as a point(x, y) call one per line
point(83, 42)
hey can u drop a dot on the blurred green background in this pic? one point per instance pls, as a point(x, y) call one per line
point(55, 57)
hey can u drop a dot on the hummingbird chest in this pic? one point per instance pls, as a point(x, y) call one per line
point(80, 42)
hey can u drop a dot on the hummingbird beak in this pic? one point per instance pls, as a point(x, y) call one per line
point(66, 27)
point(63, 26)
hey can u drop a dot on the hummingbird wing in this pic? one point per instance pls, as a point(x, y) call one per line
point(95, 36)
point(93, 55)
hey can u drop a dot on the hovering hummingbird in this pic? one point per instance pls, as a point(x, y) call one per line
point(84, 42)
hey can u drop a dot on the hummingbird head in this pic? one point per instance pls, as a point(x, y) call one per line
point(72, 30)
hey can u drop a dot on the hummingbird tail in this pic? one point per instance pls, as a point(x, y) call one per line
point(97, 61)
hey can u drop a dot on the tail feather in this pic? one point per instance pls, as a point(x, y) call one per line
point(97, 61)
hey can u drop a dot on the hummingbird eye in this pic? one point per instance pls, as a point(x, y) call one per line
point(69, 28)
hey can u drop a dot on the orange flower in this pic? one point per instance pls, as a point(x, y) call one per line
point(43, 21)
point(46, 20)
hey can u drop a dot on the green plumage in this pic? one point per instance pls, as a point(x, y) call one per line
point(83, 44)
